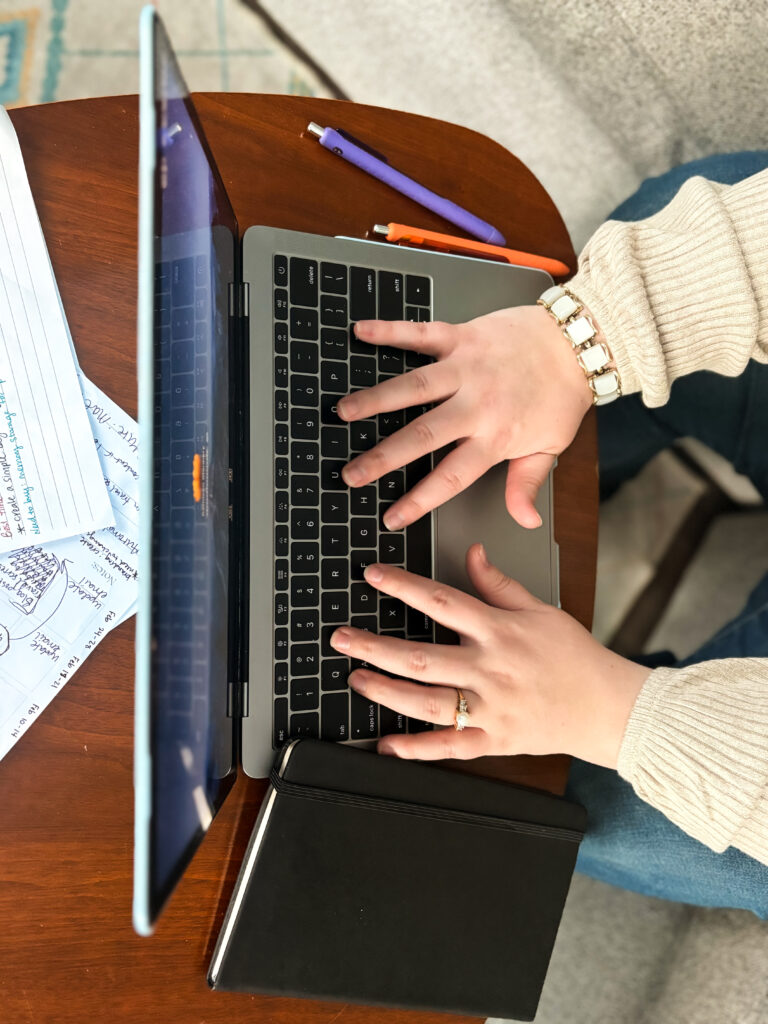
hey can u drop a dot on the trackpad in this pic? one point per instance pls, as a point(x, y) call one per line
point(480, 514)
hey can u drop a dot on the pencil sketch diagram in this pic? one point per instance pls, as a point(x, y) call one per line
point(34, 582)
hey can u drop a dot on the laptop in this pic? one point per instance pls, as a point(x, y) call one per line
point(252, 548)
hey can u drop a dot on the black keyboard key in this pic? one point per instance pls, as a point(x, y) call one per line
point(281, 473)
point(418, 625)
point(281, 304)
point(417, 290)
point(281, 338)
point(369, 623)
point(182, 357)
point(305, 693)
point(365, 717)
point(183, 281)
point(305, 524)
point(305, 724)
point(334, 541)
point(391, 613)
point(303, 282)
point(390, 295)
point(362, 372)
point(334, 573)
point(280, 732)
point(304, 324)
point(389, 422)
point(281, 541)
point(363, 500)
point(281, 439)
point(358, 347)
point(418, 538)
point(305, 390)
point(281, 677)
point(363, 532)
point(333, 278)
point(333, 674)
point(330, 475)
point(390, 361)
point(305, 625)
point(280, 271)
point(362, 294)
point(305, 424)
point(415, 725)
point(334, 443)
point(412, 360)
point(391, 722)
point(334, 605)
point(282, 507)
point(304, 357)
point(201, 338)
point(183, 424)
point(183, 390)
point(281, 609)
point(281, 406)
point(334, 507)
point(334, 378)
point(392, 486)
point(362, 435)
point(333, 311)
point(417, 314)
point(305, 456)
point(281, 574)
point(305, 556)
point(334, 714)
point(326, 632)
point(305, 491)
point(392, 548)
point(281, 643)
point(333, 344)
point(202, 277)
point(363, 599)
point(359, 562)
point(417, 470)
point(305, 591)
point(328, 411)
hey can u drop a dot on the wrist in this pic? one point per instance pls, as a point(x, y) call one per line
point(621, 681)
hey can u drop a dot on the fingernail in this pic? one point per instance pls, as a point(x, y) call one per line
point(393, 520)
point(386, 748)
point(346, 408)
point(374, 574)
point(352, 475)
point(358, 681)
point(483, 555)
point(538, 521)
point(364, 325)
point(341, 639)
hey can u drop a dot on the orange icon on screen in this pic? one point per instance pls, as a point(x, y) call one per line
point(197, 478)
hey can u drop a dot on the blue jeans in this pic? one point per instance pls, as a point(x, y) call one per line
point(629, 843)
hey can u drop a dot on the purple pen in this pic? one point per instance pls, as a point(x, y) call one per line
point(373, 163)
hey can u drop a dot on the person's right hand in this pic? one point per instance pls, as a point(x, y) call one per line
point(507, 386)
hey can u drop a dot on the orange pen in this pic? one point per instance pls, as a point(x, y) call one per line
point(419, 237)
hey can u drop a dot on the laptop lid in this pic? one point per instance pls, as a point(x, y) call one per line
point(185, 727)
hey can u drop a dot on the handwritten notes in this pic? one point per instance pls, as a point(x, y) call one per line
point(50, 480)
point(59, 600)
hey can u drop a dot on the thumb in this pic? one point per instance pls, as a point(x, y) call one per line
point(524, 478)
point(494, 586)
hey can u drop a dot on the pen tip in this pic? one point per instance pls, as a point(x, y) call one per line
point(315, 129)
point(380, 229)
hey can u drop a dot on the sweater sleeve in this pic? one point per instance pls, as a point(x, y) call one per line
point(696, 747)
point(685, 289)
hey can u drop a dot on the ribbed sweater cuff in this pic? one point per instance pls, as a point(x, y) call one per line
point(696, 748)
point(678, 291)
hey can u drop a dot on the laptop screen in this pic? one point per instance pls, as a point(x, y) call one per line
point(182, 669)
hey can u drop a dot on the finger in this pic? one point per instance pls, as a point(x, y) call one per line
point(450, 607)
point(432, 338)
point(433, 430)
point(426, 662)
point(417, 387)
point(524, 478)
point(494, 586)
point(433, 746)
point(455, 472)
point(436, 704)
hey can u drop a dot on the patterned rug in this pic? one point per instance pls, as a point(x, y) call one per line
point(71, 49)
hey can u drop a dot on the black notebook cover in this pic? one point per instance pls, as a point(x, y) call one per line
point(373, 880)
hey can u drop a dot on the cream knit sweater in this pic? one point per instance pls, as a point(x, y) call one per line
point(686, 290)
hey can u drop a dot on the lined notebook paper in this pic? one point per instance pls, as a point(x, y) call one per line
point(51, 484)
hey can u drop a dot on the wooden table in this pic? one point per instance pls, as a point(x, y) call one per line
point(67, 951)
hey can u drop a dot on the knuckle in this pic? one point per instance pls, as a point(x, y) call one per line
point(451, 480)
point(448, 746)
point(423, 432)
point(441, 597)
point(432, 708)
point(417, 662)
point(420, 381)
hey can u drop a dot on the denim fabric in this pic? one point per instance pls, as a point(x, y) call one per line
point(628, 842)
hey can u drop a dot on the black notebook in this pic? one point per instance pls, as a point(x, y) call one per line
point(373, 880)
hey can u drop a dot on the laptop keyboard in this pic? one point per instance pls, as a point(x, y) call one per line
point(325, 532)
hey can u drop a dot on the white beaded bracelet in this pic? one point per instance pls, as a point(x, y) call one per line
point(593, 358)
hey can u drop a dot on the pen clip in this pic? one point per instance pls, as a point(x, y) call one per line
point(362, 145)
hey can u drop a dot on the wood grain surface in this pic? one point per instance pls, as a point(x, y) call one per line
point(67, 949)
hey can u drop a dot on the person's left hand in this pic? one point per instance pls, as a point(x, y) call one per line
point(535, 681)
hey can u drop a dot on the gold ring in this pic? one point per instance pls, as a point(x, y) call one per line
point(461, 715)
